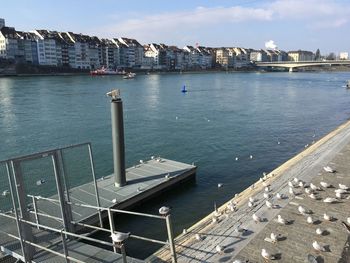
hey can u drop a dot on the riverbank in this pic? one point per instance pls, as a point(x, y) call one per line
point(53, 72)
point(295, 239)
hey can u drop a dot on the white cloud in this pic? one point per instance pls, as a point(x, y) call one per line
point(270, 44)
point(201, 17)
point(180, 26)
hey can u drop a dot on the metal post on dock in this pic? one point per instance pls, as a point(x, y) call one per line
point(118, 138)
point(171, 238)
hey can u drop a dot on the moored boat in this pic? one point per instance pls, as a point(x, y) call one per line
point(104, 71)
point(129, 75)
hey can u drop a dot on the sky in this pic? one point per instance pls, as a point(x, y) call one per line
point(288, 24)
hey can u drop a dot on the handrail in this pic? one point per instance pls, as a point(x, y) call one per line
point(100, 208)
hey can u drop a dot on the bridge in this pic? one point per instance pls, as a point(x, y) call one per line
point(298, 64)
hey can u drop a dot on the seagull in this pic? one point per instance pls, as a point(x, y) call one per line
point(214, 219)
point(256, 218)
point(309, 220)
point(280, 196)
point(269, 204)
point(301, 184)
point(328, 169)
point(5, 193)
point(152, 157)
point(325, 185)
point(312, 196)
point(266, 195)
point(231, 207)
point(251, 156)
point(348, 220)
point(220, 185)
point(236, 158)
point(267, 189)
point(308, 191)
point(343, 186)
point(314, 187)
point(251, 199)
point(339, 195)
point(295, 180)
point(114, 200)
point(266, 255)
point(290, 184)
point(184, 231)
point(278, 142)
point(40, 182)
point(120, 237)
point(330, 200)
point(164, 210)
point(219, 249)
point(240, 229)
point(301, 210)
point(317, 246)
point(198, 237)
point(250, 204)
point(281, 220)
point(340, 191)
point(237, 261)
point(306, 145)
point(141, 161)
point(319, 231)
point(273, 238)
point(327, 217)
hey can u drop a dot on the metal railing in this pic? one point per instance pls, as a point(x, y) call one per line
point(110, 211)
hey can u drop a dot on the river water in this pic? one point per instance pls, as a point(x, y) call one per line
point(221, 117)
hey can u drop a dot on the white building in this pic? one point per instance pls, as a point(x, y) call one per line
point(9, 43)
point(81, 46)
point(131, 52)
point(46, 46)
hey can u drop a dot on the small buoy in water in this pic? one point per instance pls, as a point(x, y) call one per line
point(184, 90)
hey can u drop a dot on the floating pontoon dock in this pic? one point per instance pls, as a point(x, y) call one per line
point(51, 201)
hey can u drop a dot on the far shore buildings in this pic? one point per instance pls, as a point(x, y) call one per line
point(79, 51)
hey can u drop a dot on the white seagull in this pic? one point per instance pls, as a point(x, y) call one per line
point(281, 220)
point(339, 195)
point(301, 210)
point(250, 204)
point(256, 218)
point(267, 189)
point(280, 196)
point(319, 231)
point(290, 184)
point(309, 220)
point(325, 185)
point(330, 200)
point(343, 186)
point(328, 169)
point(308, 191)
point(251, 199)
point(269, 204)
point(314, 187)
point(340, 191)
point(219, 249)
point(317, 246)
point(267, 195)
point(266, 255)
point(273, 237)
point(119, 237)
point(327, 217)
point(198, 237)
point(348, 220)
point(295, 180)
point(164, 210)
point(312, 196)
